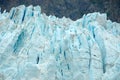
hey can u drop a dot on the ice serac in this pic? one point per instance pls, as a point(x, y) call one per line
point(34, 46)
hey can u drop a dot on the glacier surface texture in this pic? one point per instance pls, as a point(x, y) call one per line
point(34, 46)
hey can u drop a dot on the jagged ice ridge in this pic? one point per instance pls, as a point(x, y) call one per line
point(34, 46)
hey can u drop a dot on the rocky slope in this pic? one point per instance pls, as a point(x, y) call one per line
point(74, 9)
point(34, 46)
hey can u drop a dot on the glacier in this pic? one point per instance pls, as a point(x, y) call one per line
point(34, 46)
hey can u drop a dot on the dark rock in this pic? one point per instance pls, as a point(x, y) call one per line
point(70, 8)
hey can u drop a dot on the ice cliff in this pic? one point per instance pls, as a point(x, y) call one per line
point(34, 46)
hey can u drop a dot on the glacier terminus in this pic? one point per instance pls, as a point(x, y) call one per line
point(34, 46)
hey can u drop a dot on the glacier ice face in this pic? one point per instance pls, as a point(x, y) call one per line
point(34, 46)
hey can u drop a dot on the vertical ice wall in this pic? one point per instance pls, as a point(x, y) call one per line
point(34, 46)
